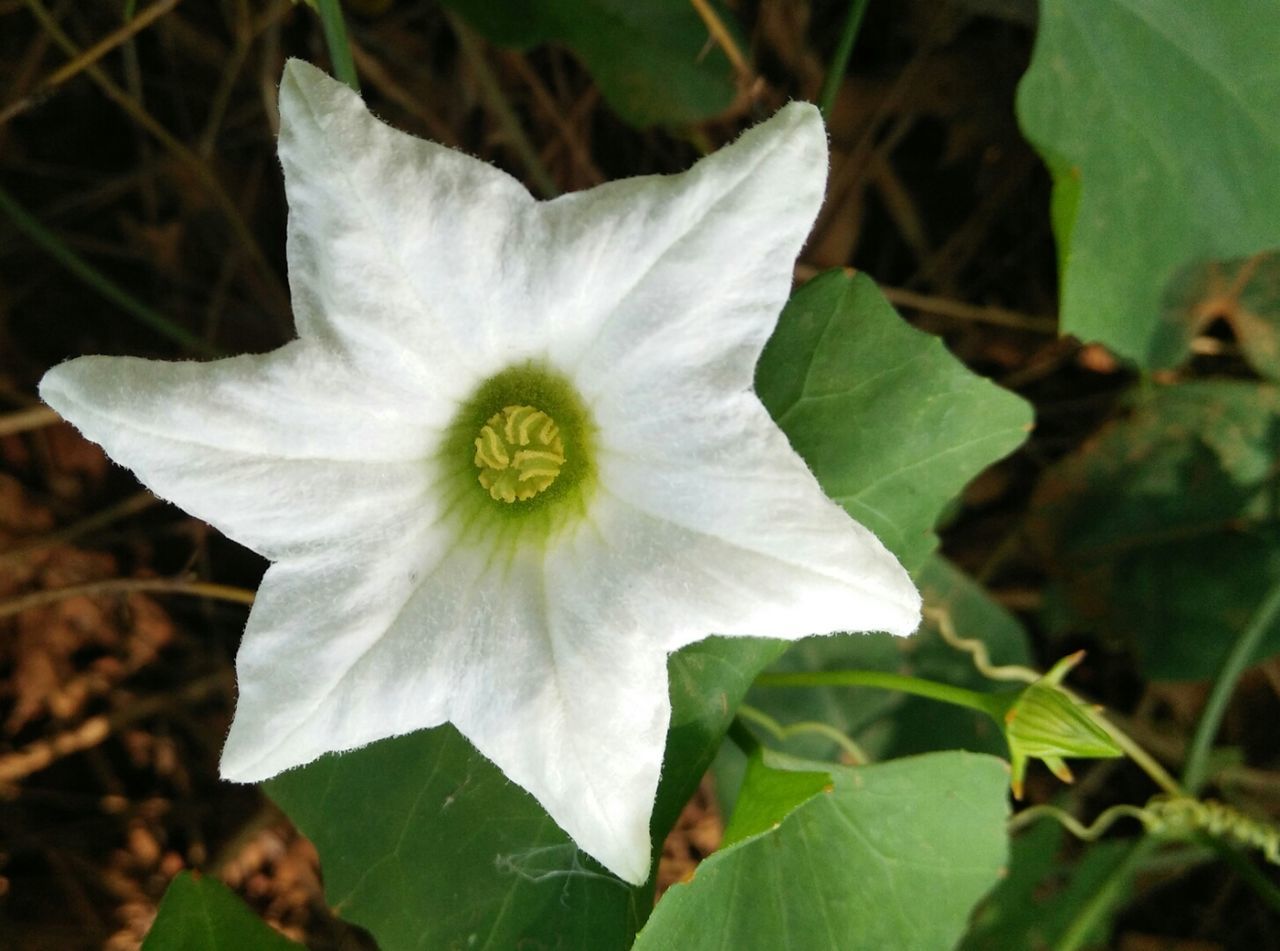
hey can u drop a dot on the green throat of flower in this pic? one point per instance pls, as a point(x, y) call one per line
point(517, 459)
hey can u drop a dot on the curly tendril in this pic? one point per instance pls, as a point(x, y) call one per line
point(1173, 817)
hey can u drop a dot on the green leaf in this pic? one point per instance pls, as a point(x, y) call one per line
point(1162, 530)
point(425, 843)
point(202, 914)
point(1039, 900)
point(1166, 119)
point(889, 724)
point(893, 857)
point(708, 681)
point(654, 61)
point(769, 794)
point(891, 423)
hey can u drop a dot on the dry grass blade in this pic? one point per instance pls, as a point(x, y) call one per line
point(88, 57)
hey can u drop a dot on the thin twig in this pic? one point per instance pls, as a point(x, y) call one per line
point(116, 586)
point(87, 58)
point(724, 39)
point(945, 307)
point(184, 155)
point(496, 100)
point(25, 420)
point(138, 502)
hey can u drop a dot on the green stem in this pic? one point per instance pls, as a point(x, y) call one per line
point(1248, 872)
point(335, 37)
point(840, 61)
point(851, 749)
point(1196, 770)
point(991, 704)
point(96, 279)
point(1105, 897)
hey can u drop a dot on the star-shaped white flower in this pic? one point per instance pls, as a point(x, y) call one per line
point(512, 460)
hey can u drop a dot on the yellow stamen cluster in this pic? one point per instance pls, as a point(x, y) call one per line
point(519, 453)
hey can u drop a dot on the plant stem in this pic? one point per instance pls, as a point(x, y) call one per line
point(335, 37)
point(856, 754)
point(1249, 874)
point(991, 704)
point(840, 61)
point(1196, 770)
point(96, 279)
point(1105, 897)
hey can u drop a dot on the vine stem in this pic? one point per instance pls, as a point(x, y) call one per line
point(1196, 770)
point(857, 755)
point(1106, 896)
point(991, 704)
point(90, 275)
point(335, 37)
point(840, 61)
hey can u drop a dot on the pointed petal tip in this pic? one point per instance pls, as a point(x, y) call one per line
point(912, 609)
point(630, 861)
point(634, 873)
point(304, 83)
point(58, 387)
point(243, 767)
point(243, 760)
point(802, 112)
point(305, 75)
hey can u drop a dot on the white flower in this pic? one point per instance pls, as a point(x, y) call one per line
point(427, 566)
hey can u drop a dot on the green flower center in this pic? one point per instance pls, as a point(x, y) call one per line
point(516, 465)
point(519, 453)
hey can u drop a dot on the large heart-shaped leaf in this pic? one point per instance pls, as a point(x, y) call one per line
point(892, 424)
point(893, 856)
point(1161, 124)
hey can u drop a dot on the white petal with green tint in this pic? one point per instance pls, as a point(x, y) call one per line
point(436, 302)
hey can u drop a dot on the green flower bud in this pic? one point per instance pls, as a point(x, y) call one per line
point(1043, 722)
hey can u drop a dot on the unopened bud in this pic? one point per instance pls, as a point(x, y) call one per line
point(1043, 722)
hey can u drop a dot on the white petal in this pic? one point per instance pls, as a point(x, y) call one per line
point(685, 273)
point(483, 641)
point(281, 451)
point(344, 648)
point(745, 523)
point(571, 712)
point(407, 254)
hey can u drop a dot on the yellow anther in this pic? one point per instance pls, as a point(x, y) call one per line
point(519, 453)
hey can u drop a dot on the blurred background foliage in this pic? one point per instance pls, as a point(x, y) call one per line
point(1126, 194)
